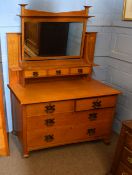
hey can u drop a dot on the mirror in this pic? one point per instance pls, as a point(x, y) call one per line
point(52, 39)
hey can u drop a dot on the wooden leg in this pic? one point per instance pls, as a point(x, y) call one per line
point(107, 141)
point(14, 133)
point(26, 155)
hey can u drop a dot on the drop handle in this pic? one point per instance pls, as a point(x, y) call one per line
point(129, 159)
point(35, 74)
point(49, 138)
point(124, 173)
point(92, 116)
point(49, 122)
point(49, 108)
point(58, 72)
point(91, 131)
point(96, 104)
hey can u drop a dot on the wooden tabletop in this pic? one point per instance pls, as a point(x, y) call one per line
point(61, 90)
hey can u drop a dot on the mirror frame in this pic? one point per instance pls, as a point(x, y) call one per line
point(43, 16)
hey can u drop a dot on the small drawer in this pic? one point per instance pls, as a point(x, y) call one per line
point(71, 119)
point(58, 72)
point(35, 74)
point(128, 141)
point(127, 157)
point(123, 170)
point(50, 108)
point(95, 103)
point(81, 70)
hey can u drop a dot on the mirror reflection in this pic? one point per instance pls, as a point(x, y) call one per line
point(47, 39)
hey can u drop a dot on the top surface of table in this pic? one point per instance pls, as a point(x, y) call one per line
point(61, 90)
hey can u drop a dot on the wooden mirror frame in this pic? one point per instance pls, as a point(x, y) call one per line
point(43, 16)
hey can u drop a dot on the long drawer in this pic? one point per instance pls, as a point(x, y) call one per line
point(43, 138)
point(128, 141)
point(49, 108)
point(127, 157)
point(70, 119)
point(123, 170)
point(95, 103)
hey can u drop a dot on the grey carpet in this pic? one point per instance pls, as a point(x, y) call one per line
point(89, 158)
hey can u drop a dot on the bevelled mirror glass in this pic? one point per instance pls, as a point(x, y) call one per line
point(52, 39)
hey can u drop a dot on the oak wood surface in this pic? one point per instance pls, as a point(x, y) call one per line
point(4, 150)
point(61, 90)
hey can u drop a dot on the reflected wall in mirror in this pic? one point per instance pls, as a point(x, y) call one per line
point(48, 39)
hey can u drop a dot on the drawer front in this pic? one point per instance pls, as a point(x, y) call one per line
point(123, 170)
point(35, 74)
point(50, 108)
point(43, 138)
point(58, 72)
point(128, 141)
point(70, 119)
point(95, 103)
point(127, 157)
point(81, 70)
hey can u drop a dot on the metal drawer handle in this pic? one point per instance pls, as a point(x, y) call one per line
point(80, 71)
point(50, 108)
point(49, 122)
point(129, 159)
point(124, 173)
point(35, 74)
point(49, 138)
point(58, 72)
point(92, 116)
point(91, 131)
point(96, 104)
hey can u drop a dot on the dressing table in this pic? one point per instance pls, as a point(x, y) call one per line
point(54, 99)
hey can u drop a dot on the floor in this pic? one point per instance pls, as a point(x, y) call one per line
point(89, 158)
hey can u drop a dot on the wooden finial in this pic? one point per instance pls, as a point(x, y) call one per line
point(87, 9)
point(23, 5)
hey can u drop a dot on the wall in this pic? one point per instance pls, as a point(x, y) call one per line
point(119, 72)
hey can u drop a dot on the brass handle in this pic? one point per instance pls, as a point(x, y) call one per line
point(124, 173)
point(129, 159)
point(49, 138)
point(50, 108)
point(91, 131)
point(92, 116)
point(58, 72)
point(35, 74)
point(96, 104)
point(80, 71)
point(49, 122)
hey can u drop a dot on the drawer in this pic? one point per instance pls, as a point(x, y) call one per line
point(127, 157)
point(58, 72)
point(95, 103)
point(35, 74)
point(49, 108)
point(123, 170)
point(128, 141)
point(81, 70)
point(71, 119)
point(55, 136)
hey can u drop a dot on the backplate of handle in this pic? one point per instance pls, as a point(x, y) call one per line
point(80, 71)
point(49, 108)
point(129, 159)
point(49, 138)
point(124, 173)
point(35, 74)
point(58, 72)
point(91, 131)
point(92, 116)
point(96, 104)
point(49, 122)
